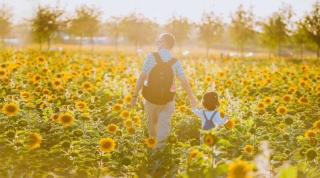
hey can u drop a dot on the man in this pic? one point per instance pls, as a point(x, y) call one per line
point(159, 115)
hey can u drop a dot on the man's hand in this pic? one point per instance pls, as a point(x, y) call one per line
point(134, 101)
point(193, 102)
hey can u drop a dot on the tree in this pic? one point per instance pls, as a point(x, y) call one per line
point(210, 30)
point(241, 28)
point(5, 24)
point(86, 22)
point(274, 32)
point(138, 30)
point(312, 26)
point(113, 29)
point(46, 24)
point(180, 28)
point(300, 38)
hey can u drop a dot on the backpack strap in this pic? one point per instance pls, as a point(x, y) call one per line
point(157, 57)
point(172, 61)
point(205, 116)
point(212, 116)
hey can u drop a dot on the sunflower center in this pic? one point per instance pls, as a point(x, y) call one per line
point(11, 109)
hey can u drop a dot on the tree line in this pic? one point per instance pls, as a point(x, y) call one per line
point(274, 33)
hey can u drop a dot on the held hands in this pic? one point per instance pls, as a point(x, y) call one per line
point(193, 102)
point(134, 101)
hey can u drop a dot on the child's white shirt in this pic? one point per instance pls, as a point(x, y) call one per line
point(217, 120)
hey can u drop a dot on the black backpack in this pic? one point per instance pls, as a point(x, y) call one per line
point(160, 80)
point(209, 124)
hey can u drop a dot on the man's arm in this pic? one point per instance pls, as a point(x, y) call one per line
point(138, 87)
point(187, 88)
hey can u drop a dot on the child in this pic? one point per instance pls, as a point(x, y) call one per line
point(210, 117)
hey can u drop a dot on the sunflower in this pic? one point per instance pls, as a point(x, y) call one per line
point(222, 114)
point(210, 140)
point(310, 134)
point(43, 105)
point(261, 106)
point(10, 109)
point(107, 145)
point(193, 153)
point(261, 111)
point(2, 73)
point(248, 149)
point(230, 124)
point(45, 92)
point(136, 120)
point(239, 169)
point(292, 90)
point(112, 128)
point(316, 125)
point(87, 86)
point(282, 110)
point(85, 116)
point(124, 114)
point(35, 140)
point(54, 117)
point(25, 95)
point(40, 59)
point(267, 100)
point(303, 100)
point(128, 123)
point(56, 83)
point(303, 83)
point(36, 78)
point(80, 105)
point(208, 79)
point(151, 142)
point(286, 98)
point(127, 99)
point(131, 130)
point(117, 107)
point(66, 119)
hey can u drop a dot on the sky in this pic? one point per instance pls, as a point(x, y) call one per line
point(160, 10)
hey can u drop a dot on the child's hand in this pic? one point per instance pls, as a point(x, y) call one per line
point(193, 103)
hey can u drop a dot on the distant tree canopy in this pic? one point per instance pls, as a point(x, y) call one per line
point(113, 29)
point(275, 32)
point(5, 24)
point(180, 28)
point(210, 30)
point(312, 26)
point(86, 22)
point(300, 38)
point(241, 27)
point(45, 24)
point(138, 30)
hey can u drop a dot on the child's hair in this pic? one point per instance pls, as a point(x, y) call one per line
point(210, 101)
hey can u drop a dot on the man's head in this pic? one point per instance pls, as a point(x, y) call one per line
point(210, 101)
point(166, 40)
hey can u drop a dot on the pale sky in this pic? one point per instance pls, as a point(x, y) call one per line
point(161, 10)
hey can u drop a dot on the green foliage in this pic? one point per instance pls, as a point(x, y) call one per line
point(46, 24)
point(241, 27)
point(180, 28)
point(5, 23)
point(210, 30)
point(86, 22)
point(290, 172)
point(312, 25)
point(275, 32)
point(138, 30)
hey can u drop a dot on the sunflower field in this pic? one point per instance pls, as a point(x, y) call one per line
point(67, 114)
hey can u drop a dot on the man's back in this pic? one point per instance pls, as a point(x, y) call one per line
point(165, 55)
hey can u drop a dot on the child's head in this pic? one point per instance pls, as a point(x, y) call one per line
point(210, 101)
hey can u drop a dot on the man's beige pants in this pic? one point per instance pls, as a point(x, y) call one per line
point(163, 114)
